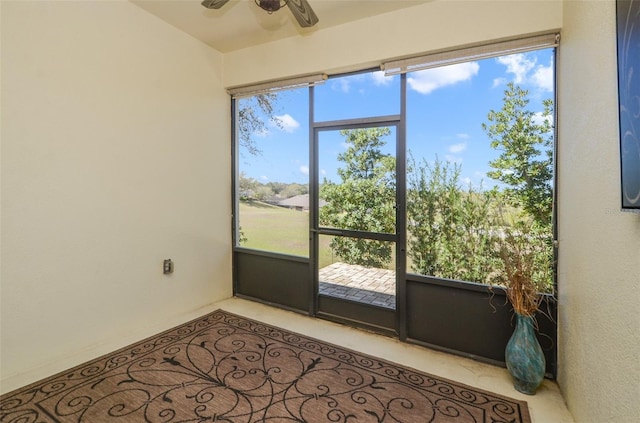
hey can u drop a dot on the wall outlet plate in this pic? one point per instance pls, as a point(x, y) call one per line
point(167, 266)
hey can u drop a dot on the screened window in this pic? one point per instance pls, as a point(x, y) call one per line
point(477, 131)
point(272, 178)
point(480, 166)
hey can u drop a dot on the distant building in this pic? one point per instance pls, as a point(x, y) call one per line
point(299, 202)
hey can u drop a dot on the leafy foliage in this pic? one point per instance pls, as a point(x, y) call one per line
point(253, 115)
point(364, 200)
point(470, 235)
point(525, 164)
point(251, 189)
point(449, 229)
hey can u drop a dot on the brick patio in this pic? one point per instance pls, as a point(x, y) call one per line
point(359, 283)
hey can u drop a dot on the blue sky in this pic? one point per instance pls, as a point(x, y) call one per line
point(445, 109)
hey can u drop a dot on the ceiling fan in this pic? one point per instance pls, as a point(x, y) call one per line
point(300, 8)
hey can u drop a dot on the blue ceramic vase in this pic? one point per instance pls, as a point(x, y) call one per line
point(524, 356)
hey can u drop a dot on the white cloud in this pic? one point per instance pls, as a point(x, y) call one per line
point(264, 178)
point(466, 181)
point(458, 148)
point(543, 77)
point(517, 64)
point(323, 172)
point(286, 122)
point(499, 81)
point(525, 69)
point(341, 84)
point(380, 79)
point(304, 170)
point(462, 136)
point(429, 80)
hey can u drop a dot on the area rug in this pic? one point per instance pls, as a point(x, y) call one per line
point(227, 368)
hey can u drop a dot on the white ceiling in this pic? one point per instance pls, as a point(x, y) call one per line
point(241, 23)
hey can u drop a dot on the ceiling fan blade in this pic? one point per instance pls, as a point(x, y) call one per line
point(214, 4)
point(303, 13)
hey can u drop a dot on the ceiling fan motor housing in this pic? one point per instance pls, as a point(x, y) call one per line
point(300, 9)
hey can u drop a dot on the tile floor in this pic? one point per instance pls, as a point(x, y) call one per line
point(359, 283)
point(547, 406)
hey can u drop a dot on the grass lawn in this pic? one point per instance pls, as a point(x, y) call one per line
point(280, 230)
point(275, 229)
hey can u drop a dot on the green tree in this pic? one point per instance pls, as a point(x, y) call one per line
point(364, 200)
point(276, 187)
point(247, 186)
point(525, 166)
point(449, 228)
point(525, 142)
point(253, 115)
point(291, 190)
point(264, 193)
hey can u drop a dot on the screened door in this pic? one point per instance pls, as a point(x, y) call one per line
point(355, 221)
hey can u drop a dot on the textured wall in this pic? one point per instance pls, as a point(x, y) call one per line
point(115, 155)
point(599, 278)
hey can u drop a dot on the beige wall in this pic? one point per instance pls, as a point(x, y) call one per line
point(599, 279)
point(432, 26)
point(115, 155)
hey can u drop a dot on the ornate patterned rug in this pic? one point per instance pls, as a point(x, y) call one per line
point(227, 368)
